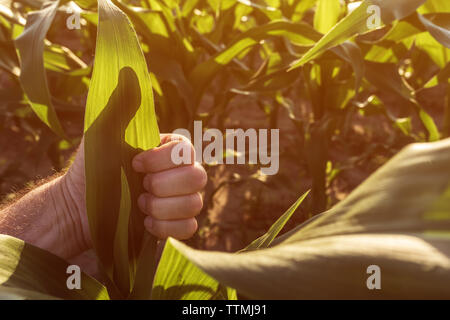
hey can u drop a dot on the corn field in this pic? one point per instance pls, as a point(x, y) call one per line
point(360, 94)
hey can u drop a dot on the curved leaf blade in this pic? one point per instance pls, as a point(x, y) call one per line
point(327, 15)
point(179, 279)
point(357, 23)
point(120, 121)
point(30, 272)
point(266, 239)
point(438, 26)
point(30, 45)
point(299, 33)
point(398, 219)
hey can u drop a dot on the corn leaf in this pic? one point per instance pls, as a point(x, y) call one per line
point(266, 239)
point(61, 59)
point(30, 272)
point(177, 278)
point(351, 53)
point(120, 122)
point(432, 6)
point(30, 45)
point(398, 219)
point(327, 15)
point(298, 33)
point(300, 8)
point(439, 27)
point(357, 23)
point(385, 77)
point(8, 293)
point(439, 54)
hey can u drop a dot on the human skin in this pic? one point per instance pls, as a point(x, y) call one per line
point(53, 215)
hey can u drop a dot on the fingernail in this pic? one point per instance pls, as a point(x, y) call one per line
point(138, 165)
point(142, 202)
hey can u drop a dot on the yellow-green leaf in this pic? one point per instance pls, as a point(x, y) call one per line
point(30, 45)
point(30, 272)
point(398, 220)
point(120, 122)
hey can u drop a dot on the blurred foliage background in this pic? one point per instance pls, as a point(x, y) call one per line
point(341, 115)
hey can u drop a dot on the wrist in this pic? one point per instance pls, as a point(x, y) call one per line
point(69, 207)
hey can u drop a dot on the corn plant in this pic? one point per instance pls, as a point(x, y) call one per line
point(399, 217)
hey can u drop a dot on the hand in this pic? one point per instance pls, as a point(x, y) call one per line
point(172, 199)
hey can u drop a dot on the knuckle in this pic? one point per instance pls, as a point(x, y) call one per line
point(146, 182)
point(155, 184)
point(167, 138)
point(179, 137)
point(147, 158)
point(192, 152)
point(162, 230)
point(148, 226)
point(192, 227)
point(185, 149)
point(196, 203)
point(200, 175)
point(151, 204)
point(189, 229)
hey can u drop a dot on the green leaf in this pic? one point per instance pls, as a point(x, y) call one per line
point(120, 122)
point(437, 24)
point(153, 27)
point(438, 53)
point(30, 272)
point(351, 53)
point(266, 239)
point(398, 219)
point(301, 7)
point(327, 15)
point(30, 45)
point(298, 33)
point(439, 27)
point(86, 4)
point(357, 23)
point(274, 81)
point(402, 30)
point(179, 279)
point(8, 293)
point(442, 77)
point(145, 270)
point(380, 53)
point(385, 77)
point(120, 246)
point(61, 59)
point(434, 6)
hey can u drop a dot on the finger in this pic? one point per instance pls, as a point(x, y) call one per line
point(168, 137)
point(176, 182)
point(173, 208)
point(168, 155)
point(178, 229)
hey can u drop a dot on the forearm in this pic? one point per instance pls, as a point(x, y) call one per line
point(43, 218)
